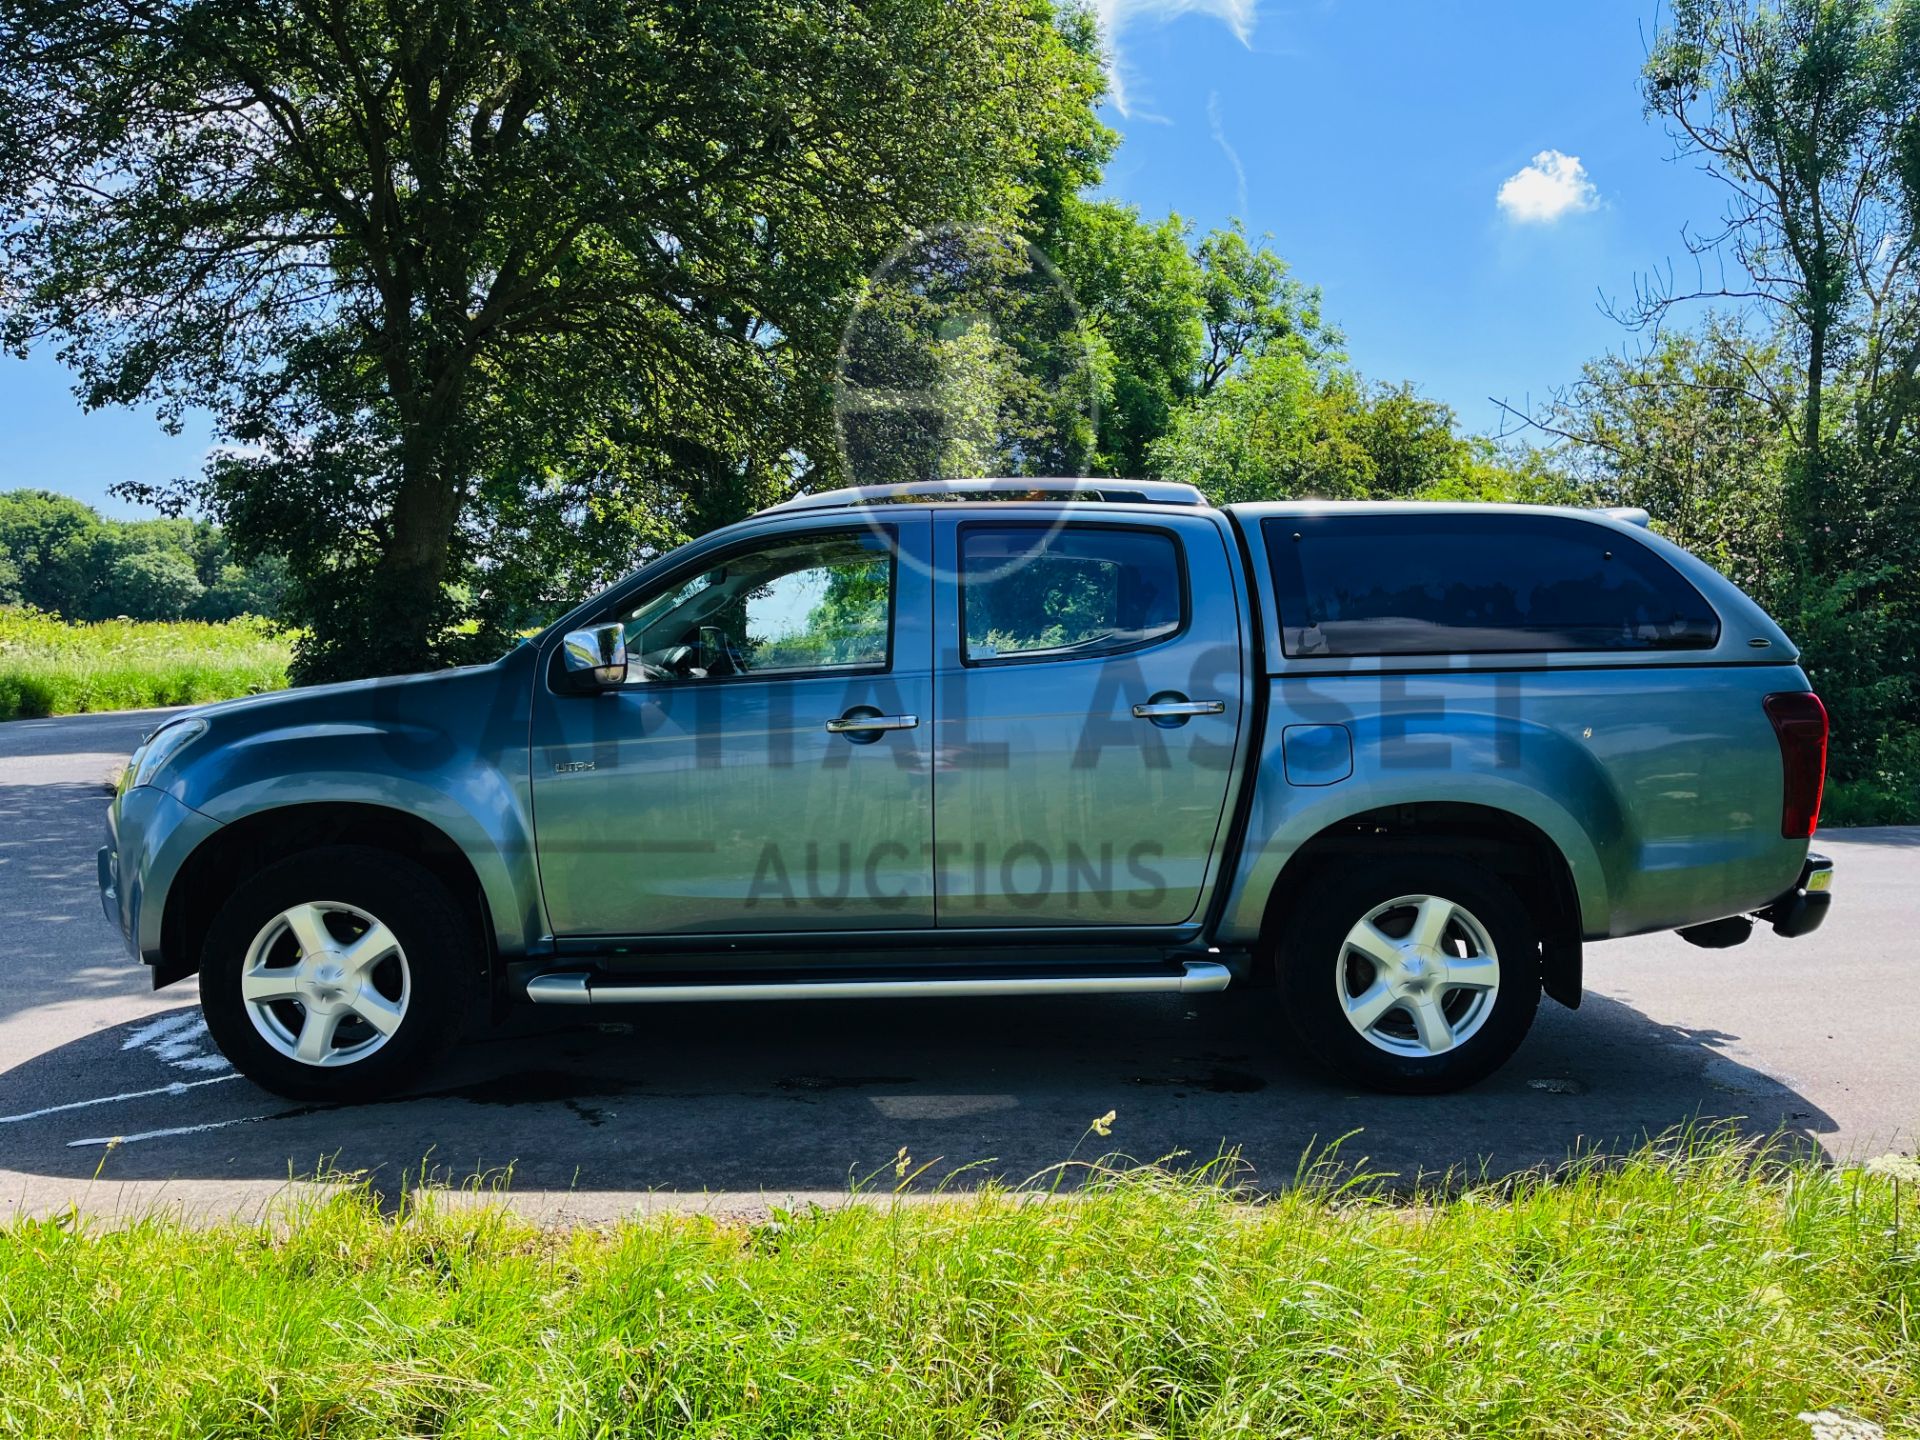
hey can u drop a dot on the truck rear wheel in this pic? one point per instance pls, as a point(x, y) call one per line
point(1411, 975)
point(339, 974)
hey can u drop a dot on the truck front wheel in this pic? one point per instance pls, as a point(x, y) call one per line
point(340, 973)
point(1411, 975)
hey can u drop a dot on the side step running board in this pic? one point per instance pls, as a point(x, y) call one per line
point(578, 988)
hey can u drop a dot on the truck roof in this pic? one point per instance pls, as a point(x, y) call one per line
point(1010, 488)
point(1045, 489)
point(1259, 509)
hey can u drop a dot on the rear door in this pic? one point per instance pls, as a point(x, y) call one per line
point(1090, 697)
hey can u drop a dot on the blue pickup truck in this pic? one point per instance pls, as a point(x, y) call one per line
point(1394, 765)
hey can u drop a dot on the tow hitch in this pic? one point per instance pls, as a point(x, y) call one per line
point(1798, 912)
point(1801, 909)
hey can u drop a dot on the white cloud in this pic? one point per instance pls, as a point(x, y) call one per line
point(1552, 186)
point(1117, 16)
point(1233, 156)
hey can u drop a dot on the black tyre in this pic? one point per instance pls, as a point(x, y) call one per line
point(1412, 975)
point(342, 973)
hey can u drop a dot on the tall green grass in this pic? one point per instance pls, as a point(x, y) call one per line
point(1702, 1293)
point(51, 667)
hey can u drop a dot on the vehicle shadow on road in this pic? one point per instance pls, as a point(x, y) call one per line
point(60, 949)
point(812, 1096)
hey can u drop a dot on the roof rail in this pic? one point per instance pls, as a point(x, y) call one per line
point(1627, 515)
point(933, 492)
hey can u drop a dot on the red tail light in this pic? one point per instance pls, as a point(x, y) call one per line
point(1800, 723)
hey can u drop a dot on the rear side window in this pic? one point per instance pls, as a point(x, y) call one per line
point(1032, 592)
point(1406, 584)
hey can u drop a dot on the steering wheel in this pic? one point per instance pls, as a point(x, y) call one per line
point(678, 662)
point(718, 644)
point(682, 662)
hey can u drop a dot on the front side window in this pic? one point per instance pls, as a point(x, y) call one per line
point(797, 604)
point(1038, 592)
point(1410, 584)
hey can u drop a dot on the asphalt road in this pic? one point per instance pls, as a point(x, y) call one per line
point(734, 1107)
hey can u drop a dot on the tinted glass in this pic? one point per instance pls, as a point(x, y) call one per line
point(1475, 584)
point(1033, 591)
point(809, 602)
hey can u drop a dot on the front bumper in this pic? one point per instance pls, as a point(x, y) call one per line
point(1801, 910)
point(150, 834)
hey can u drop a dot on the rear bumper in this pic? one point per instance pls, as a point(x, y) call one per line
point(1801, 910)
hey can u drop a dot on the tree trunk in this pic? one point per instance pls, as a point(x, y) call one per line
point(1816, 374)
point(407, 606)
point(1804, 498)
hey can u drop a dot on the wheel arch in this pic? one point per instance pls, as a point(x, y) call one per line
point(243, 848)
point(1515, 849)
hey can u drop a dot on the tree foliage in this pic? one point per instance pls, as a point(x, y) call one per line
point(1176, 321)
point(58, 555)
point(967, 356)
point(1698, 431)
point(423, 258)
point(1282, 428)
point(493, 300)
point(1251, 305)
point(1808, 112)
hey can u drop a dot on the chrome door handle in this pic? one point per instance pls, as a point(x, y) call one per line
point(853, 724)
point(1175, 709)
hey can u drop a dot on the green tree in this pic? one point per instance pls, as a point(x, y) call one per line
point(1411, 442)
point(1251, 304)
point(1808, 112)
point(407, 252)
point(1177, 321)
point(1068, 350)
point(57, 554)
point(151, 584)
point(1139, 287)
point(967, 356)
point(1510, 473)
point(53, 543)
point(1805, 111)
point(1698, 432)
point(1283, 429)
point(234, 589)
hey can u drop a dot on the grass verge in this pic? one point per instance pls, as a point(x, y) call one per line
point(1676, 1294)
point(51, 667)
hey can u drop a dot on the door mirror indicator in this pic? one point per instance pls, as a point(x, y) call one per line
point(596, 658)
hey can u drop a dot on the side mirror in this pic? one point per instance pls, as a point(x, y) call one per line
point(596, 658)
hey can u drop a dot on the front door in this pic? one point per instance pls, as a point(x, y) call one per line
point(731, 786)
point(1090, 699)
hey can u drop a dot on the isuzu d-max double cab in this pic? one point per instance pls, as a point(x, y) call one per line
point(1397, 763)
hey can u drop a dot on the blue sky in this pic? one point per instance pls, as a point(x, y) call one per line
point(1374, 141)
point(1388, 146)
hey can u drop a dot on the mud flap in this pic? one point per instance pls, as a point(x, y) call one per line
point(1561, 964)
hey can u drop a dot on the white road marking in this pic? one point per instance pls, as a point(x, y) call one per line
point(160, 1029)
point(162, 1134)
point(178, 1087)
point(180, 1041)
point(204, 1062)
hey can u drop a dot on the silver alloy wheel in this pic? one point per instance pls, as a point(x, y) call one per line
point(325, 983)
point(1417, 976)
